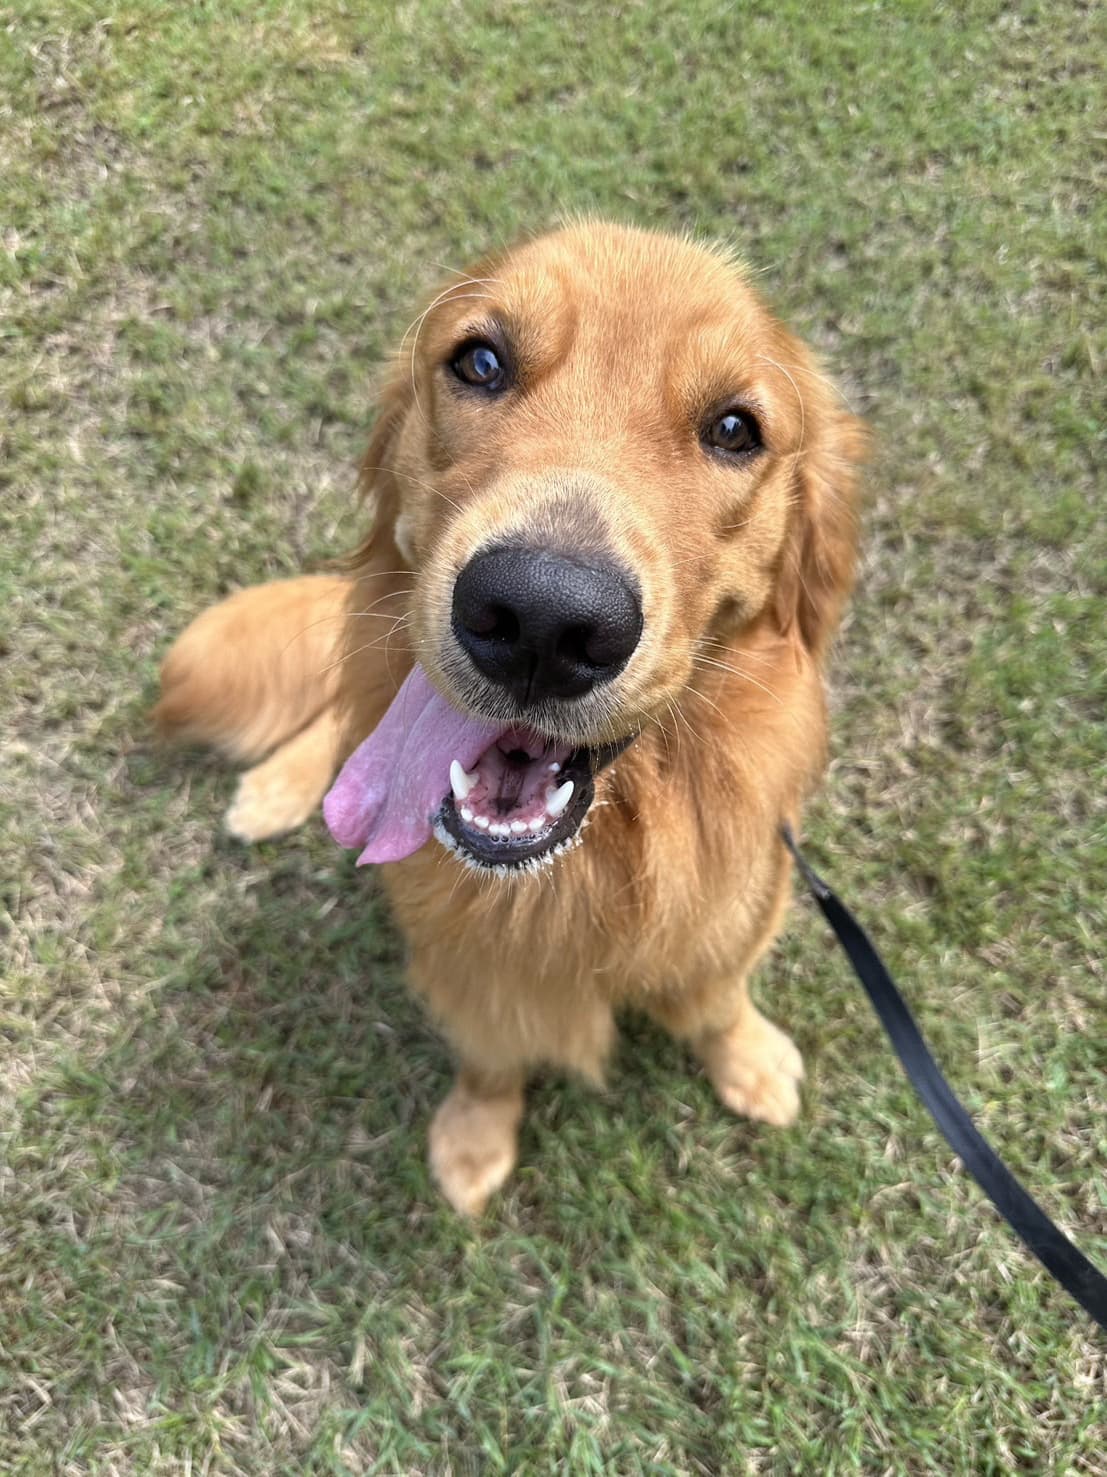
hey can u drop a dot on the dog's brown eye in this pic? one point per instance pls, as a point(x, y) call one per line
point(478, 363)
point(734, 431)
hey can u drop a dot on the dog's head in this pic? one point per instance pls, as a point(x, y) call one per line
point(599, 453)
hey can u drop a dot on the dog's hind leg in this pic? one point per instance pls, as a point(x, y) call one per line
point(282, 791)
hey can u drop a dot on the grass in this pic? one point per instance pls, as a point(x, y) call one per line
point(219, 1249)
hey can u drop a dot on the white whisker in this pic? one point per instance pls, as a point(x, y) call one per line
point(764, 358)
point(418, 326)
point(400, 623)
point(419, 482)
point(346, 615)
point(737, 672)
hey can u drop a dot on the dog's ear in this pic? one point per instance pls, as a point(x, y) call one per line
point(820, 553)
point(377, 481)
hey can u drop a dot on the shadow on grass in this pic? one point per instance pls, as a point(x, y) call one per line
point(241, 1202)
point(267, 1088)
point(241, 1223)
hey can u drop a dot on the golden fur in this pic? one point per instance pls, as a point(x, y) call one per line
point(626, 340)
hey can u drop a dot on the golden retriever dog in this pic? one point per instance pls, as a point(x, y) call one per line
point(572, 682)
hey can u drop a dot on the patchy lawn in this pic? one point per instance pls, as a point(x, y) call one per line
point(219, 1249)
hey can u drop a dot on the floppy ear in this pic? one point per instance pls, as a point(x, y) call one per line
point(818, 566)
point(377, 483)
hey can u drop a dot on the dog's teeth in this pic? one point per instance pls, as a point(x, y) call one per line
point(460, 782)
point(518, 827)
point(557, 800)
point(538, 822)
point(466, 813)
point(483, 822)
point(555, 768)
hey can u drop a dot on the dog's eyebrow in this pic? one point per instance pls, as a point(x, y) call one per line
point(490, 326)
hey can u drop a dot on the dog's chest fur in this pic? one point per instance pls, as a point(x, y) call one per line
point(678, 876)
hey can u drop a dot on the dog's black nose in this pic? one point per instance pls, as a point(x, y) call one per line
point(542, 624)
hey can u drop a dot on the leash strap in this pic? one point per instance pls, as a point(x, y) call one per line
point(1024, 1215)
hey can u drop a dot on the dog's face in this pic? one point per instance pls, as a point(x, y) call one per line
point(599, 453)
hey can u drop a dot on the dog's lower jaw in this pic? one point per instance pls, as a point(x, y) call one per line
point(515, 870)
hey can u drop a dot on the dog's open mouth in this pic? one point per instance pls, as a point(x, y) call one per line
point(522, 803)
point(499, 797)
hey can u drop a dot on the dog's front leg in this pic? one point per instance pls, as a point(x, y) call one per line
point(282, 791)
point(502, 1019)
point(474, 1135)
point(753, 1066)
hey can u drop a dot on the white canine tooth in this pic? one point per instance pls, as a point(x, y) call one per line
point(555, 768)
point(483, 822)
point(460, 782)
point(557, 800)
point(518, 827)
point(466, 813)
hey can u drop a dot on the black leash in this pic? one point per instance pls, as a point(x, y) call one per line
point(1024, 1215)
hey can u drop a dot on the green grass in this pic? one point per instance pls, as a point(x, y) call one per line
point(219, 1249)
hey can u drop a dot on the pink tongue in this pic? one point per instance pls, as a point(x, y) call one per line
point(392, 785)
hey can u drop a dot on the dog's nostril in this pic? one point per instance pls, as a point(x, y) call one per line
point(609, 644)
point(491, 622)
point(505, 625)
point(586, 646)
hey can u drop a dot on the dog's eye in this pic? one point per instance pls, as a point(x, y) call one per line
point(478, 363)
point(734, 431)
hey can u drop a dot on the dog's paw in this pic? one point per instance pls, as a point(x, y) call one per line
point(266, 804)
point(756, 1070)
point(473, 1145)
